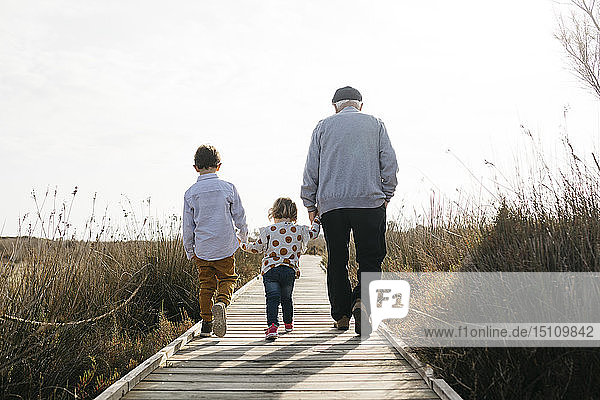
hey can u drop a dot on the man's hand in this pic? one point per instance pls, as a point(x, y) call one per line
point(312, 215)
point(386, 203)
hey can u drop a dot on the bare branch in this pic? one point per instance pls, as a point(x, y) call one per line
point(579, 35)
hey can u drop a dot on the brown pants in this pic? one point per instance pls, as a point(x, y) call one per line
point(219, 276)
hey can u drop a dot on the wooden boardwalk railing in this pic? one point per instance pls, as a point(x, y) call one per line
point(315, 361)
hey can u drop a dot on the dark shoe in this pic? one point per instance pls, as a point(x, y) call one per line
point(219, 319)
point(342, 324)
point(206, 329)
point(361, 319)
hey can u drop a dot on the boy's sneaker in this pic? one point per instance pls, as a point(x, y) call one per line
point(289, 328)
point(271, 332)
point(342, 324)
point(206, 329)
point(359, 312)
point(219, 319)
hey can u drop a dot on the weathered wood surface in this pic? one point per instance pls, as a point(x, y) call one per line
point(315, 361)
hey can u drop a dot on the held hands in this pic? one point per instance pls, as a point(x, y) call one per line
point(312, 215)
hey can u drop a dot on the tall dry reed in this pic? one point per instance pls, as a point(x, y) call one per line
point(546, 219)
point(123, 293)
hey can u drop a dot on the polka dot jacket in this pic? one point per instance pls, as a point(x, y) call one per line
point(282, 243)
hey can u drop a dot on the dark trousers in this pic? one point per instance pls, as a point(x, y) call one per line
point(279, 284)
point(368, 229)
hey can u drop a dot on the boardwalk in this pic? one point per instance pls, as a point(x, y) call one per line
point(313, 362)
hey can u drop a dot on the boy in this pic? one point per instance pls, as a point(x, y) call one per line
point(211, 207)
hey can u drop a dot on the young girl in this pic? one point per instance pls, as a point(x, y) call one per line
point(282, 243)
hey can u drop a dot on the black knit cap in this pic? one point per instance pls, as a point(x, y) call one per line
point(346, 93)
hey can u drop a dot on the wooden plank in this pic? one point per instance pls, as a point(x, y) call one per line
point(122, 386)
point(297, 335)
point(291, 353)
point(279, 364)
point(445, 391)
point(133, 377)
point(260, 341)
point(299, 320)
point(278, 347)
point(284, 357)
point(289, 350)
point(281, 341)
point(304, 395)
point(439, 386)
point(275, 346)
point(301, 353)
point(314, 361)
point(267, 386)
point(278, 378)
point(294, 336)
point(115, 391)
point(300, 327)
point(375, 370)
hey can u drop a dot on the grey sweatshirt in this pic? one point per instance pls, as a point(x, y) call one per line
point(350, 163)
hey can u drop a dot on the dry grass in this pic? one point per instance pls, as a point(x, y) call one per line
point(61, 279)
point(549, 220)
point(64, 280)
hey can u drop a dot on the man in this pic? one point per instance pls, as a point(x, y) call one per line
point(349, 178)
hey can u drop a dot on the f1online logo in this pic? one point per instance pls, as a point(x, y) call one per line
point(389, 299)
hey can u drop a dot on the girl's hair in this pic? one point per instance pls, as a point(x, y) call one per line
point(283, 207)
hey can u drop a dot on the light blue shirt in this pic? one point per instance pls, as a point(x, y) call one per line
point(211, 207)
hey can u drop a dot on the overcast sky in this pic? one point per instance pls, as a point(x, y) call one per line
point(114, 96)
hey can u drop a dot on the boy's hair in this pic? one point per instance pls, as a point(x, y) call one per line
point(283, 207)
point(207, 157)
